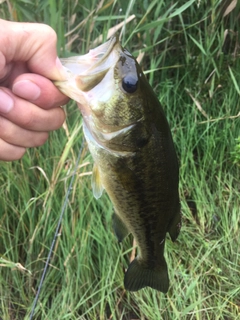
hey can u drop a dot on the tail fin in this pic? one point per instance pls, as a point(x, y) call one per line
point(138, 277)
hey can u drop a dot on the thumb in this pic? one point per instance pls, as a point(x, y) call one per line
point(34, 44)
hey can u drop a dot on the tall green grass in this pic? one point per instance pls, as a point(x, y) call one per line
point(191, 58)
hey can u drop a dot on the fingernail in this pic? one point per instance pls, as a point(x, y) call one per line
point(26, 89)
point(6, 102)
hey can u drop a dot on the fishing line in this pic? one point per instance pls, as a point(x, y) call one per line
point(56, 234)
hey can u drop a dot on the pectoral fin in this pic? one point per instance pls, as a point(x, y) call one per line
point(119, 227)
point(97, 186)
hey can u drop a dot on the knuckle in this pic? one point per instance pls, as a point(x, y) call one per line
point(28, 120)
point(10, 152)
point(6, 130)
point(19, 153)
point(49, 33)
point(42, 138)
point(60, 119)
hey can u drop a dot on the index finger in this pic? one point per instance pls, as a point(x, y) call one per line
point(33, 43)
point(29, 116)
point(48, 97)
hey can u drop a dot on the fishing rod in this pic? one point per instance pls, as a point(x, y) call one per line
point(56, 234)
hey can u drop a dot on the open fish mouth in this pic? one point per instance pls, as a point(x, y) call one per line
point(92, 62)
point(85, 72)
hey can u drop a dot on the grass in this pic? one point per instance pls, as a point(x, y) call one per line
point(191, 58)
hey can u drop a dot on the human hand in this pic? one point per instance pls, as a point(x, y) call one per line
point(29, 102)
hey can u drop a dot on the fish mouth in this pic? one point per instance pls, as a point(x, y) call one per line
point(91, 62)
point(84, 72)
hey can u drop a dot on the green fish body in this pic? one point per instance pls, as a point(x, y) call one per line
point(134, 157)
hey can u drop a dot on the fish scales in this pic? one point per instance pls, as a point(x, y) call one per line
point(134, 157)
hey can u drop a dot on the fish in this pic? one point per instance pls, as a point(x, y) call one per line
point(135, 161)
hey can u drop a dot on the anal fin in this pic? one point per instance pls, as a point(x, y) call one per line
point(119, 227)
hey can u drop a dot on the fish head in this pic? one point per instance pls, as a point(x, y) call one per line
point(106, 84)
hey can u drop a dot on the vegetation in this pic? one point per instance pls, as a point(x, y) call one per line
point(190, 53)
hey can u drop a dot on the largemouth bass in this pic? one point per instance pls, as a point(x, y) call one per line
point(135, 161)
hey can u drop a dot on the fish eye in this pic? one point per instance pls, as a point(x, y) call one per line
point(130, 83)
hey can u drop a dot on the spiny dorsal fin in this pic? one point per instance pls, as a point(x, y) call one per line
point(97, 186)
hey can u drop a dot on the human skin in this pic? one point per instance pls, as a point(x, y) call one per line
point(29, 102)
